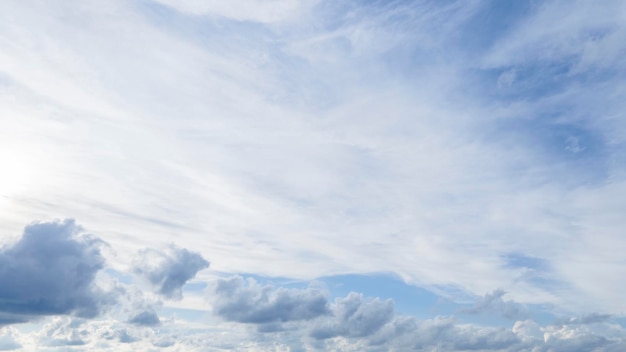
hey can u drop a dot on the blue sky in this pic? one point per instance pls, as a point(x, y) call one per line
point(280, 175)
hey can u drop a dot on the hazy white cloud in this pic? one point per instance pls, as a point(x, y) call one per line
point(306, 139)
point(168, 271)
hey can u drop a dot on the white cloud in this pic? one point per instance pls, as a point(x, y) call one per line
point(168, 271)
point(351, 139)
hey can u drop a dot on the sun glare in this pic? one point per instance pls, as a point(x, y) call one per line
point(16, 172)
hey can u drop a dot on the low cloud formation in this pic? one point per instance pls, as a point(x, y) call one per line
point(592, 318)
point(246, 301)
point(374, 325)
point(168, 271)
point(354, 317)
point(355, 322)
point(494, 304)
point(64, 332)
point(147, 317)
point(50, 270)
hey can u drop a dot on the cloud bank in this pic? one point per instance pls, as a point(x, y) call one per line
point(40, 287)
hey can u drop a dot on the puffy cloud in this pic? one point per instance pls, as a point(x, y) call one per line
point(372, 324)
point(168, 271)
point(354, 317)
point(63, 332)
point(50, 270)
point(246, 301)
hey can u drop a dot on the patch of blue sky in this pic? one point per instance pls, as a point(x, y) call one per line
point(190, 315)
point(536, 81)
point(277, 281)
point(492, 20)
point(408, 299)
point(458, 32)
point(194, 287)
point(570, 153)
point(123, 278)
point(565, 141)
point(620, 320)
point(519, 260)
point(203, 29)
point(538, 273)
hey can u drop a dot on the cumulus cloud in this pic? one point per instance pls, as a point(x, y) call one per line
point(355, 322)
point(349, 323)
point(354, 317)
point(246, 301)
point(373, 323)
point(63, 332)
point(50, 270)
point(168, 271)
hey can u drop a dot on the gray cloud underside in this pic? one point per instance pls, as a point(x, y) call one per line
point(248, 302)
point(147, 317)
point(50, 270)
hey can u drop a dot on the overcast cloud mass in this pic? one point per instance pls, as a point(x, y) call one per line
point(411, 175)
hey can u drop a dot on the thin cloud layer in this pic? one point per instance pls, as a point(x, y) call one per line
point(51, 270)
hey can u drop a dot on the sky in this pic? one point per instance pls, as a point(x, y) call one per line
point(313, 175)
